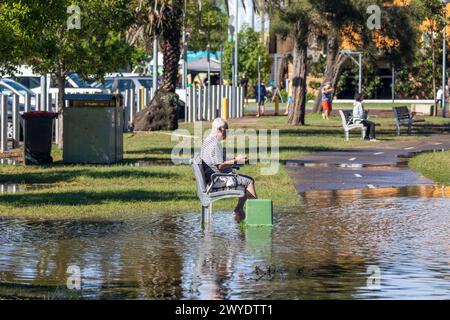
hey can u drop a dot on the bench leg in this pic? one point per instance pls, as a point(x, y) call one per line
point(207, 213)
point(398, 130)
point(363, 133)
point(205, 216)
point(347, 135)
point(409, 129)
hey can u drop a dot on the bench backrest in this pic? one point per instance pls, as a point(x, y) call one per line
point(345, 117)
point(197, 167)
point(401, 113)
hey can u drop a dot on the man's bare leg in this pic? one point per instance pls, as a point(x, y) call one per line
point(251, 191)
point(239, 210)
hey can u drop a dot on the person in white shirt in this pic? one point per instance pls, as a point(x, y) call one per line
point(360, 116)
point(439, 98)
point(214, 160)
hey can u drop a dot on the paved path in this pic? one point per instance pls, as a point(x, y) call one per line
point(377, 165)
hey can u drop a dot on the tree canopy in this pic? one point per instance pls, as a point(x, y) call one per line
point(249, 49)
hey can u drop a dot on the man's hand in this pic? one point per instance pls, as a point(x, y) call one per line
point(240, 159)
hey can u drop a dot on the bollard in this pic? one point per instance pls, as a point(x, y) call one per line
point(259, 212)
point(132, 105)
point(4, 123)
point(27, 103)
point(15, 122)
point(141, 104)
point(37, 102)
point(277, 104)
point(224, 108)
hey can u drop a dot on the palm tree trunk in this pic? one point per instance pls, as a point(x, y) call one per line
point(162, 112)
point(171, 49)
point(263, 20)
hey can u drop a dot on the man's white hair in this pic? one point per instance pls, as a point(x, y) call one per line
point(217, 124)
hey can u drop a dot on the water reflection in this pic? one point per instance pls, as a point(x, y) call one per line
point(11, 188)
point(9, 161)
point(321, 251)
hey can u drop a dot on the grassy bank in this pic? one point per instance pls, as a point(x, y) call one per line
point(148, 182)
point(435, 166)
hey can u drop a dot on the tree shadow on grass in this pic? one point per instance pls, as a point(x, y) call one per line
point(148, 161)
point(150, 151)
point(55, 176)
point(77, 198)
point(383, 129)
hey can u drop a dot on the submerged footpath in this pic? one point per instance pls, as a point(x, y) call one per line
point(382, 164)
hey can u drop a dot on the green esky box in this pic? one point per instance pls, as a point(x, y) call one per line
point(259, 212)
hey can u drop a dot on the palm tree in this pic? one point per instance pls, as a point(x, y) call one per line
point(295, 20)
point(162, 19)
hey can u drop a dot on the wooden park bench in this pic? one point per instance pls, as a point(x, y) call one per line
point(206, 193)
point(347, 124)
point(403, 117)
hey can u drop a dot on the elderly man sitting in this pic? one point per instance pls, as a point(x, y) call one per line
point(214, 160)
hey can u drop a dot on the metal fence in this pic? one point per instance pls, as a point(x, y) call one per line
point(206, 103)
point(200, 104)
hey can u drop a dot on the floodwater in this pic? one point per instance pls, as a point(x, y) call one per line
point(363, 244)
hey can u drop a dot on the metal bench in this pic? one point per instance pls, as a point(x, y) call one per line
point(206, 193)
point(403, 117)
point(347, 124)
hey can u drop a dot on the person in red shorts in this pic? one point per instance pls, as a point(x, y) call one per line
point(327, 99)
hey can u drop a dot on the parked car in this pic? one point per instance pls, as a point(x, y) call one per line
point(73, 84)
point(123, 83)
point(9, 87)
point(10, 115)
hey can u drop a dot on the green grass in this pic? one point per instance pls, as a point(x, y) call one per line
point(433, 165)
point(126, 190)
point(341, 105)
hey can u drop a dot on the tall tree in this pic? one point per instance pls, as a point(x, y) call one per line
point(10, 42)
point(295, 20)
point(206, 26)
point(162, 19)
point(250, 48)
point(338, 15)
point(58, 38)
point(429, 13)
point(347, 20)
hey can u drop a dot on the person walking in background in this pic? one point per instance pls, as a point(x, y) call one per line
point(290, 101)
point(447, 94)
point(327, 99)
point(360, 116)
point(244, 84)
point(260, 93)
point(439, 98)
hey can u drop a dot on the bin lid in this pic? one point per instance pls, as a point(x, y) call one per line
point(90, 97)
point(39, 114)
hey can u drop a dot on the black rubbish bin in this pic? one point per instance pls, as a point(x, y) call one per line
point(38, 133)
